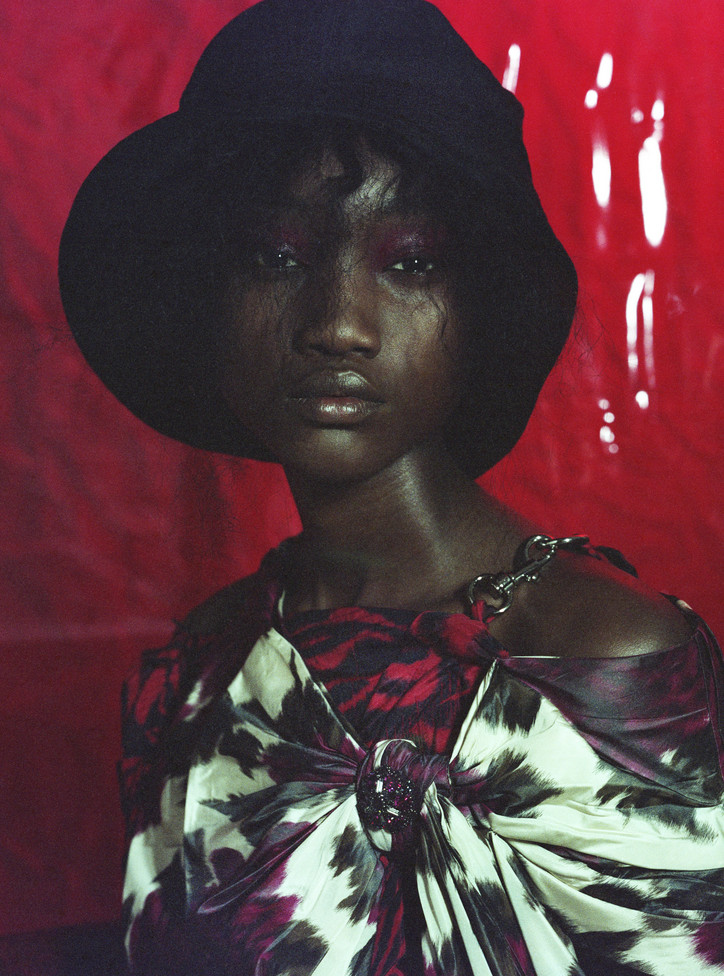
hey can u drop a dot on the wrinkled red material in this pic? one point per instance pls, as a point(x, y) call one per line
point(109, 530)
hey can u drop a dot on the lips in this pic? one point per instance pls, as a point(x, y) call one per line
point(335, 399)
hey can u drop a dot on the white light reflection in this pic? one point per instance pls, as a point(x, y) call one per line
point(647, 318)
point(642, 398)
point(637, 115)
point(653, 192)
point(605, 71)
point(512, 68)
point(601, 171)
point(642, 289)
point(591, 99)
point(605, 432)
point(654, 205)
point(632, 323)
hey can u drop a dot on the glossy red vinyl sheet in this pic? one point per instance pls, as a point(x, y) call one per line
point(110, 531)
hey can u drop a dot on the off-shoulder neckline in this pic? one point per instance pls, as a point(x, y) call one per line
point(415, 621)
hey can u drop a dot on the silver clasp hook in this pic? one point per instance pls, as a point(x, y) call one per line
point(538, 550)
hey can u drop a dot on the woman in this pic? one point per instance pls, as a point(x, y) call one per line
point(354, 761)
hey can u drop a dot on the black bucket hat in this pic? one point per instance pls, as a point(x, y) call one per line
point(391, 64)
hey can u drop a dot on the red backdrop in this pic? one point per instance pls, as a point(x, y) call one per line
point(109, 530)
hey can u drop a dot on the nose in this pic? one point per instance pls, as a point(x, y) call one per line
point(345, 320)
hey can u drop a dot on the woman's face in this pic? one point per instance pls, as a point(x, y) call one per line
point(341, 351)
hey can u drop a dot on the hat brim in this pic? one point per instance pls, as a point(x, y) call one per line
point(129, 251)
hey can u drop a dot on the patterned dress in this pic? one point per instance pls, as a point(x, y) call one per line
point(384, 793)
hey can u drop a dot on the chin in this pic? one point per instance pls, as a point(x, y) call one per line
point(334, 461)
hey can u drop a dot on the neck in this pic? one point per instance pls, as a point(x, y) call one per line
point(412, 536)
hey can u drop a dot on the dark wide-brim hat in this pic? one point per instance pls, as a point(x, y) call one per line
point(392, 64)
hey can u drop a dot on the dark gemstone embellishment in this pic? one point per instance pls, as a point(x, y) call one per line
point(387, 800)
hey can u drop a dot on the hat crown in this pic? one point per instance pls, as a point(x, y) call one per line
point(394, 60)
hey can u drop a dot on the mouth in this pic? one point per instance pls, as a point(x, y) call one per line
point(335, 399)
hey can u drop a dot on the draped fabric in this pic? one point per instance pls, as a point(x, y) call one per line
point(574, 826)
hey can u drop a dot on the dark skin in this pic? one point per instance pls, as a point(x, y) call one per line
point(344, 357)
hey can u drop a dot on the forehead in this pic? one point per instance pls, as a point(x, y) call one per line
point(367, 186)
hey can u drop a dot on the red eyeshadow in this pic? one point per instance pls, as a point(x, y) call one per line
point(406, 241)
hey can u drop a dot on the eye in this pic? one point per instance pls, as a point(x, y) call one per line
point(277, 259)
point(414, 264)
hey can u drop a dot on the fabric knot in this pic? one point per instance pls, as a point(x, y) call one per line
point(394, 782)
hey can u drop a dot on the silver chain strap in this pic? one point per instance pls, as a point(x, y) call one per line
point(538, 550)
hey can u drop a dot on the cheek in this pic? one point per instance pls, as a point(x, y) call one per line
point(436, 360)
point(439, 388)
point(250, 357)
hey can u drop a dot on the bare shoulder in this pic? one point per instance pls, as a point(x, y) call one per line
point(586, 607)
